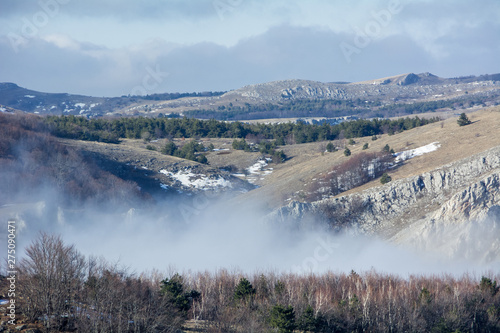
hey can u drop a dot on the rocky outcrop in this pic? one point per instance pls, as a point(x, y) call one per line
point(455, 193)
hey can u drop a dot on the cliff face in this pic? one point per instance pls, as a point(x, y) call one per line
point(467, 190)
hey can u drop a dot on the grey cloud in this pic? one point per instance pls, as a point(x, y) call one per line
point(122, 9)
point(283, 52)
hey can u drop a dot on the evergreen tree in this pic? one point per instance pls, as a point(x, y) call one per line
point(347, 152)
point(330, 147)
point(283, 318)
point(307, 321)
point(463, 120)
point(244, 290)
point(173, 289)
point(365, 146)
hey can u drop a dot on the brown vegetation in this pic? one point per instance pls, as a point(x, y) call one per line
point(31, 160)
point(65, 291)
point(356, 171)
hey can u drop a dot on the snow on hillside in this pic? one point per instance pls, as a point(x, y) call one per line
point(408, 154)
point(198, 181)
point(258, 170)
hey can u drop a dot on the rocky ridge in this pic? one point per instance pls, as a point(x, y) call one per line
point(461, 192)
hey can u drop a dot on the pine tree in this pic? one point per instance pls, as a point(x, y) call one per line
point(244, 290)
point(463, 120)
point(283, 318)
point(330, 147)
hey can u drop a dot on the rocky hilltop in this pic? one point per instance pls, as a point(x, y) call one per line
point(407, 86)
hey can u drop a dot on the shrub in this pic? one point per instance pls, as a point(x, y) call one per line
point(365, 146)
point(347, 152)
point(385, 178)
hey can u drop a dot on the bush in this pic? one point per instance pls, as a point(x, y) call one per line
point(169, 149)
point(385, 178)
point(347, 152)
point(150, 147)
point(330, 147)
point(365, 146)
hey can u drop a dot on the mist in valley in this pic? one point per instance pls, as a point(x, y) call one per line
point(211, 231)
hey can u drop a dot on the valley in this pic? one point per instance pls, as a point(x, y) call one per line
point(294, 205)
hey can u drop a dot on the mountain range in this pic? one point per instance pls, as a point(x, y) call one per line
point(401, 89)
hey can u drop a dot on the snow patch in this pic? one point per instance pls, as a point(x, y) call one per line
point(3, 109)
point(80, 105)
point(198, 181)
point(29, 96)
point(408, 154)
point(258, 170)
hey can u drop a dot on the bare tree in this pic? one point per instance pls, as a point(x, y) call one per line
point(51, 277)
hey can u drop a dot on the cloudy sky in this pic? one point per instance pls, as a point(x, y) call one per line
point(120, 47)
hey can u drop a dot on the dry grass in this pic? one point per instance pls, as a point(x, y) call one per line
point(307, 162)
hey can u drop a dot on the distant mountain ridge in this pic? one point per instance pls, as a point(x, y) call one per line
point(406, 88)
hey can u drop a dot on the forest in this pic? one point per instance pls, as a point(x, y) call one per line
point(60, 289)
point(112, 130)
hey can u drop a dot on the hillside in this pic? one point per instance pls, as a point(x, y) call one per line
point(453, 189)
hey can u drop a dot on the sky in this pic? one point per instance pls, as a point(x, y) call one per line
point(121, 47)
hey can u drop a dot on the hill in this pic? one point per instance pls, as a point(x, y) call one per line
point(279, 99)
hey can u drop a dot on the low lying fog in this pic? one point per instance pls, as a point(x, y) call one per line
point(204, 233)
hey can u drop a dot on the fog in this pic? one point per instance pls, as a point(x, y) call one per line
point(209, 232)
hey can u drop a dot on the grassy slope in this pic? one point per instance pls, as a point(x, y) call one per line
point(306, 161)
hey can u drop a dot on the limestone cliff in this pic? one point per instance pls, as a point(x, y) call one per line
point(456, 193)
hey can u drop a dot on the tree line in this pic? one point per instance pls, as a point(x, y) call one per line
point(332, 108)
point(66, 291)
point(112, 130)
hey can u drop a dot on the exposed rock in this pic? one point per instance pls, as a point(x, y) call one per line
point(456, 193)
point(409, 79)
